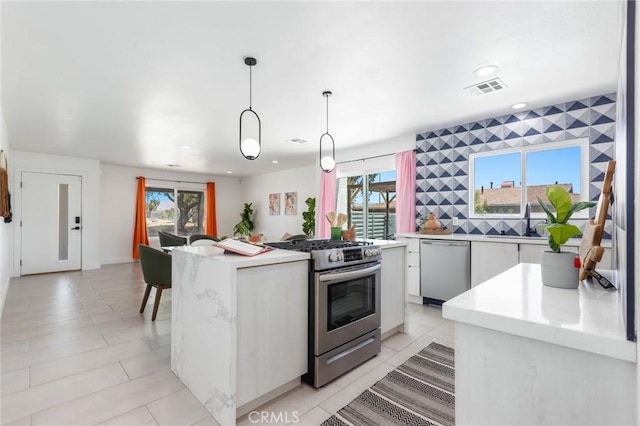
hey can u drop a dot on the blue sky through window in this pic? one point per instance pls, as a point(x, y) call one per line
point(543, 168)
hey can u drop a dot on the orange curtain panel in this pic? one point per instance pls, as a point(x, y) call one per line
point(211, 225)
point(140, 229)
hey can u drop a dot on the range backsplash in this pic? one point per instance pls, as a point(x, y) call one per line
point(442, 157)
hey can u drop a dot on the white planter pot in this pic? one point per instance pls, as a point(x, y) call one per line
point(558, 269)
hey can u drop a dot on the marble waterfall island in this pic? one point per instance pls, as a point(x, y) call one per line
point(239, 326)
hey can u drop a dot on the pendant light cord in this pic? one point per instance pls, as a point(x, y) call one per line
point(250, 88)
point(327, 114)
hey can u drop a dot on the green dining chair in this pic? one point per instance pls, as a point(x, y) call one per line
point(168, 239)
point(156, 270)
point(196, 237)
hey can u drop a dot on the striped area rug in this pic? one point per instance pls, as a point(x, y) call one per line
point(419, 392)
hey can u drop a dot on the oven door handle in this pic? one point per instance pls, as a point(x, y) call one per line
point(343, 276)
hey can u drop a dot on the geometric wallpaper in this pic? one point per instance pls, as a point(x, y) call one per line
point(442, 157)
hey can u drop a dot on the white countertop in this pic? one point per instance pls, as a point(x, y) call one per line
point(515, 302)
point(573, 242)
point(239, 261)
point(383, 244)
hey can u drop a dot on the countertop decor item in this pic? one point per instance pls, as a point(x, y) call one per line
point(245, 226)
point(249, 146)
point(591, 251)
point(560, 269)
point(432, 222)
point(441, 231)
point(327, 162)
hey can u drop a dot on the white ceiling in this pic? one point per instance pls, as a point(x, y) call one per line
point(129, 82)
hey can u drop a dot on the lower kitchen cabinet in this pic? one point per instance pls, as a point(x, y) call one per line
point(392, 288)
point(530, 253)
point(489, 259)
point(413, 266)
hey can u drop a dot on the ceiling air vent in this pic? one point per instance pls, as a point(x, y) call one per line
point(488, 86)
point(297, 140)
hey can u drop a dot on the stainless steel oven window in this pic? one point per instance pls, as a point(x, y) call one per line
point(350, 301)
point(326, 340)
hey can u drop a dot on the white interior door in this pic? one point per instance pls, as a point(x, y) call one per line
point(51, 227)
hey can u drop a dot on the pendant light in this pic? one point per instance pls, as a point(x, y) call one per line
point(249, 146)
point(327, 162)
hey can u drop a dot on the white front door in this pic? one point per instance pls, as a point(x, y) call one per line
point(51, 227)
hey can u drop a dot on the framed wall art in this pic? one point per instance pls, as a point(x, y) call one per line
point(290, 203)
point(274, 204)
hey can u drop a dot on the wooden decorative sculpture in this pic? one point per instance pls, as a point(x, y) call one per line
point(590, 251)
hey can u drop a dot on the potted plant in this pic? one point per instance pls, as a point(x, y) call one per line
point(558, 268)
point(245, 226)
point(309, 217)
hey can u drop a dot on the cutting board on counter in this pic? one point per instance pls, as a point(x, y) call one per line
point(590, 251)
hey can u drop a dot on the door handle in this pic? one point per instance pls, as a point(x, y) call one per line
point(75, 228)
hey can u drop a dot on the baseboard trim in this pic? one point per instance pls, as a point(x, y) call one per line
point(114, 260)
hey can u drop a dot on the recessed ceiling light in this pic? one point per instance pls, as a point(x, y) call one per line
point(148, 162)
point(485, 71)
point(229, 172)
point(519, 105)
point(274, 161)
point(185, 147)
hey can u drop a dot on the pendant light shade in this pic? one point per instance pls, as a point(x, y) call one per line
point(250, 146)
point(327, 156)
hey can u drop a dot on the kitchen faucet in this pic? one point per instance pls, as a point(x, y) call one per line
point(527, 215)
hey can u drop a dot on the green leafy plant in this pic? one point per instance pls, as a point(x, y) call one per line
point(559, 230)
point(309, 224)
point(245, 226)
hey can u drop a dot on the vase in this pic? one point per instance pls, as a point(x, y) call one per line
point(336, 233)
point(559, 270)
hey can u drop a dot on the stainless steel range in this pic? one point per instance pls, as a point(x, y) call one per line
point(344, 305)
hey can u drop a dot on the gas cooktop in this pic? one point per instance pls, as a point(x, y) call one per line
point(332, 254)
point(309, 246)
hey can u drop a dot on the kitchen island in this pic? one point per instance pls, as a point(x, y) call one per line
point(531, 354)
point(239, 326)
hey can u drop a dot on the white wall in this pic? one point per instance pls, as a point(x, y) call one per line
point(118, 196)
point(22, 161)
point(256, 190)
point(390, 146)
point(5, 245)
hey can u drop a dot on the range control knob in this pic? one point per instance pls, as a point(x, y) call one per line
point(333, 257)
point(367, 253)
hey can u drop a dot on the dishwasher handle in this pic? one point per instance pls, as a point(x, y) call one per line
point(446, 243)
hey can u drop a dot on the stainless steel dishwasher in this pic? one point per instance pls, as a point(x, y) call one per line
point(445, 269)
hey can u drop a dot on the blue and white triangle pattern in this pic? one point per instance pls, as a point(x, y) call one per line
point(442, 160)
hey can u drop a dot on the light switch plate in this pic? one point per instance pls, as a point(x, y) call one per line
point(455, 221)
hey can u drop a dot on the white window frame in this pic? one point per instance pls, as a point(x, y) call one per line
point(582, 143)
point(177, 186)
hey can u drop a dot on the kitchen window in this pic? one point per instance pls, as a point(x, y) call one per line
point(502, 182)
point(179, 211)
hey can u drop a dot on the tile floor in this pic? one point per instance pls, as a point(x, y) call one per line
point(75, 351)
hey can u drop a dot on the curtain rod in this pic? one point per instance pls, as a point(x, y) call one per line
point(370, 158)
point(173, 180)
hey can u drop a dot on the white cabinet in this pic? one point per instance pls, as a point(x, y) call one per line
point(530, 253)
point(392, 288)
point(413, 266)
point(489, 259)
